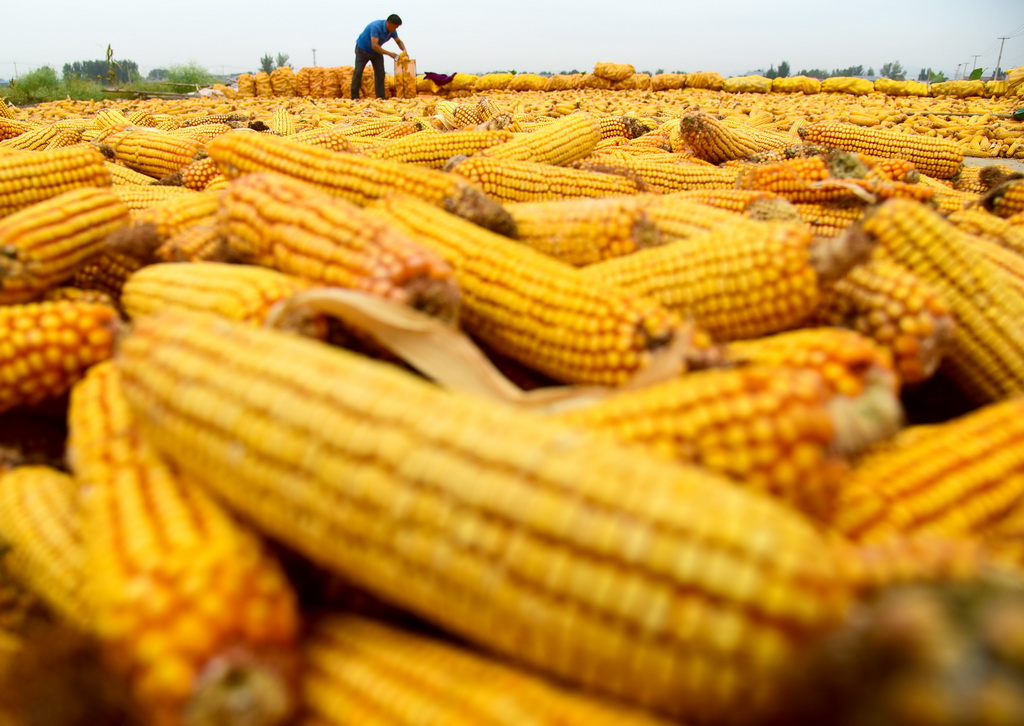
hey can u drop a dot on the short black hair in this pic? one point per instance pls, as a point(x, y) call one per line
point(394, 19)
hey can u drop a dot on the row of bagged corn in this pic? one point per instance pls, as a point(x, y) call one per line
point(335, 82)
point(490, 416)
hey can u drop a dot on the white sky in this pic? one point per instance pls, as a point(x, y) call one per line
point(732, 37)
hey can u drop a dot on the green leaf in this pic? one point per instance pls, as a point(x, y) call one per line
point(976, 74)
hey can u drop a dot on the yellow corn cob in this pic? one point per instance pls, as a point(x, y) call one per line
point(830, 219)
point(778, 430)
point(582, 231)
point(332, 138)
point(355, 178)
point(107, 118)
point(1007, 199)
point(1009, 261)
point(559, 142)
point(980, 179)
point(681, 595)
point(510, 180)
point(41, 137)
point(733, 200)
point(717, 142)
point(934, 156)
point(956, 480)
point(149, 151)
point(280, 222)
point(202, 241)
point(401, 130)
point(845, 359)
point(434, 150)
point(535, 309)
point(986, 225)
point(27, 178)
point(282, 122)
point(11, 127)
point(894, 307)
point(121, 174)
point(201, 132)
point(48, 346)
point(195, 176)
point(666, 178)
point(899, 170)
point(418, 679)
point(107, 273)
point(238, 292)
point(76, 294)
point(621, 127)
point(144, 196)
point(944, 198)
point(741, 280)
point(46, 243)
point(986, 356)
point(41, 534)
point(187, 603)
point(151, 227)
point(6, 111)
point(678, 218)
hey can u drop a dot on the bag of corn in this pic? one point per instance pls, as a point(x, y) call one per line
point(527, 82)
point(705, 79)
point(668, 81)
point(847, 84)
point(613, 71)
point(747, 84)
point(902, 88)
point(796, 84)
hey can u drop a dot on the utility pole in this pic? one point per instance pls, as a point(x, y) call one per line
point(314, 57)
point(975, 64)
point(999, 60)
point(957, 76)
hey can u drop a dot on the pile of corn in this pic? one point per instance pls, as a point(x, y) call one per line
point(330, 82)
point(683, 407)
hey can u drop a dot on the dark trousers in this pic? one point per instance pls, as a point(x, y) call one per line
point(377, 59)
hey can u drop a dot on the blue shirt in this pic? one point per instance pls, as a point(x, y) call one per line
point(377, 29)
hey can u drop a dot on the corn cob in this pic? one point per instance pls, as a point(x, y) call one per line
point(434, 150)
point(986, 225)
point(778, 430)
point(740, 201)
point(956, 480)
point(510, 180)
point(712, 605)
point(151, 227)
point(1005, 200)
point(558, 142)
point(845, 359)
point(277, 221)
point(986, 356)
point(143, 196)
point(188, 605)
point(27, 178)
point(202, 241)
point(6, 111)
point(980, 179)
point(718, 142)
point(106, 273)
point(621, 127)
point(579, 232)
point(149, 151)
point(48, 242)
point(40, 138)
point(741, 280)
point(41, 534)
point(48, 347)
point(667, 178)
point(11, 127)
point(418, 679)
point(933, 156)
point(333, 139)
point(282, 122)
point(898, 310)
point(356, 178)
point(830, 219)
point(238, 292)
point(679, 219)
point(195, 176)
point(535, 309)
point(121, 174)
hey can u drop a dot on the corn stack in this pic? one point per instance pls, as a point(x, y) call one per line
point(678, 595)
point(187, 604)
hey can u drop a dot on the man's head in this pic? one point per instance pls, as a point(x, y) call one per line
point(393, 22)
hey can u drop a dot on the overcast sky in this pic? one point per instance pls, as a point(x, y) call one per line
point(731, 37)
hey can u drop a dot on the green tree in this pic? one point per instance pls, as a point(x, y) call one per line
point(191, 73)
point(818, 73)
point(893, 70)
point(850, 71)
point(97, 70)
point(282, 59)
point(36, 86)
point(157, 74)
point(771, 72)
point(267, 63)
point(784, 69)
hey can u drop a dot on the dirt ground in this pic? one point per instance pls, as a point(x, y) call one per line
point(1014, 164)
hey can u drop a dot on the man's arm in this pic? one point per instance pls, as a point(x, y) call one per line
point(375, 44)
point(400, 43)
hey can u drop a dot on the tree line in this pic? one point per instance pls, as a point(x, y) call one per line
point(893, 70)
